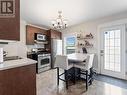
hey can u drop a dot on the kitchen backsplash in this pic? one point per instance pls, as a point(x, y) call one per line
point(29, 47)
point(15, 49)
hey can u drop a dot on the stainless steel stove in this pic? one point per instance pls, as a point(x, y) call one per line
point(44, 62)
point(43, 57)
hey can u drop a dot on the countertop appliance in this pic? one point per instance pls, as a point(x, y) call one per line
point(56, 49)
point(43, 58)
point(40, 37)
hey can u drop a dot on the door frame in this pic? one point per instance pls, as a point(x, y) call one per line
point(106, 72)
point(122, 22)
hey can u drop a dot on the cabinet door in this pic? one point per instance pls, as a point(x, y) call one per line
point(58, 35)
point(55, 34)
point(10, 26)
point(18, 81)
point(30, 31)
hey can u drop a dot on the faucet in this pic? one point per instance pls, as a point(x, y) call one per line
point(5, 53)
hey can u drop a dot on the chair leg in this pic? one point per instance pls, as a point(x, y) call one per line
point(91, 75)
point(79, 76)
point(66, 78)
point(86, 80)
point(57, 76)
point(74, 76)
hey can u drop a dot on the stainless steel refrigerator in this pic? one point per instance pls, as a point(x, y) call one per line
point(56, 49)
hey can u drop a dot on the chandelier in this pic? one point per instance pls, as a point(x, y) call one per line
point(59, 23)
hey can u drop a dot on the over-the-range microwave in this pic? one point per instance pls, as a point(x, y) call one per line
point(40, 37)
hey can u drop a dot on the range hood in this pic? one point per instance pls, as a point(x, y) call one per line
point(41, 42)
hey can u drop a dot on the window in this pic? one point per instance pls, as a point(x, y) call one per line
point(70, 44)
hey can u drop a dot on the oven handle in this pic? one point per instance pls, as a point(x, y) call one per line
point(43, 57)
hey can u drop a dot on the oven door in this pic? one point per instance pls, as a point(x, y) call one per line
point(44, 61)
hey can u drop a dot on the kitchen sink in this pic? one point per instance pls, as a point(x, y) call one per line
point(12, 58)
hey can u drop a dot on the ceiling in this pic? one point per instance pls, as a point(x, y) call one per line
point(42, 12)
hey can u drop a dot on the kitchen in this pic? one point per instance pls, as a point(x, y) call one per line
point(38, 48)
point(42, 44)
point(35, 51)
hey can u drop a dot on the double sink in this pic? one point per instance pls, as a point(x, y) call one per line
point(12, 58)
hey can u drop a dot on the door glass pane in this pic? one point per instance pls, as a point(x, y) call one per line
point(107, 58)
point(107, 65)
point(112, 42)
point(112, 58)
point(117, 42)
point(112, 50)
point(107, 50)
point(117, 34)
point(112, 34)
point(117, 50)
point(107, 43)
point(107, 34)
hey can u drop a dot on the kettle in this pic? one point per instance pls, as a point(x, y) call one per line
point(1, 55)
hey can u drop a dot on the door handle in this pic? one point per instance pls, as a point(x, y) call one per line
point(101, 52)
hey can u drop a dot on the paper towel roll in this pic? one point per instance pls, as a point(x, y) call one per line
point(1, 55)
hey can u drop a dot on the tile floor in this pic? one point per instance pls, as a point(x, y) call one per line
point(111, 80)
point(47, 85)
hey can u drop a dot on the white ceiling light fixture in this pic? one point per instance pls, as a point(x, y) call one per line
point(60, 22)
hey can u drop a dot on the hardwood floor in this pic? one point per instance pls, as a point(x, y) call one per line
point(47, 85)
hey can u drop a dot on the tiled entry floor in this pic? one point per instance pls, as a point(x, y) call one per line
point(47, 85)
point(112, 80)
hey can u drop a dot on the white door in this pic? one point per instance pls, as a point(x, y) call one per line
point(112, 53)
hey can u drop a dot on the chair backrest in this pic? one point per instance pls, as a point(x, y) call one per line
point(89, 61)
point(61, 61)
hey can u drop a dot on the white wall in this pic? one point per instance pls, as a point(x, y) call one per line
point(23, 31)
point(92, 27)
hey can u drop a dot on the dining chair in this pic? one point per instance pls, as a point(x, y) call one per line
point(62, 62)
point(86, 68)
